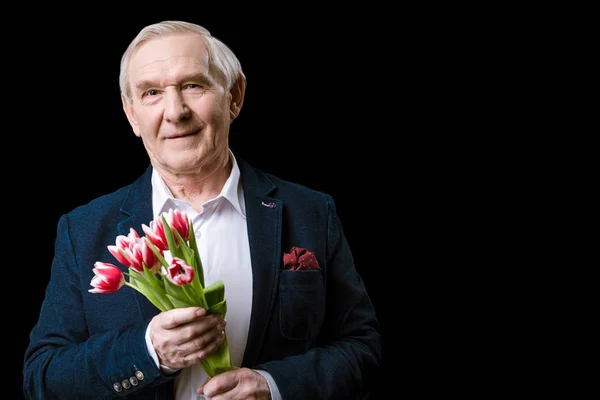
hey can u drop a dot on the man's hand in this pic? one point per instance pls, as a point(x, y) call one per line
point(184, 336)
point(239, 383)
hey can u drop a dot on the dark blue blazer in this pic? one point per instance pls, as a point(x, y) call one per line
point(315, 332)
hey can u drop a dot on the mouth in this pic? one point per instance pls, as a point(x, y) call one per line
point(178, 135)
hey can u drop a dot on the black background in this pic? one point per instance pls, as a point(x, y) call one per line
point(320, 97)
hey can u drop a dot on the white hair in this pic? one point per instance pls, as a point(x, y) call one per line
point(221, 58)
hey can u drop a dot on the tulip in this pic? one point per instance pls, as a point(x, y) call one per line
point(176, 220)
point(156, 234)
point(138, 254)
point(179, 272)
point(108, 278)
point(119, 251)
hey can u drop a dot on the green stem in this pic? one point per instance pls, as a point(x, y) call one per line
point(219, 361)
point(150, 296)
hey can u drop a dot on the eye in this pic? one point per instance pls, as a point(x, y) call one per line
point(191, 86)
point(149, 93)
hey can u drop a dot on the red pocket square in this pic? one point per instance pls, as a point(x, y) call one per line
point(300, 259)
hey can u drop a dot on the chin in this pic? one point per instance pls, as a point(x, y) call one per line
point(181, 163)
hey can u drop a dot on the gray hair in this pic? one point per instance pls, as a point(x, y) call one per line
point(221, 58)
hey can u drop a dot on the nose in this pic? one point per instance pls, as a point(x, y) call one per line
point(175, 106)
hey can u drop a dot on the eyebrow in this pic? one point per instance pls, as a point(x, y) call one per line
point(202, 78)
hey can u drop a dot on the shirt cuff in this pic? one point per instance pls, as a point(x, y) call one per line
point(164, 369)
point(275, 395)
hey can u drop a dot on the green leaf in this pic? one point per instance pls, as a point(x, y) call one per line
point(186, 252)
point(152, 292)
point(198, 262)
point(173, 247)
point(148, 294)
point(190, 256)
point(186, 293)
point(218, 308)
point(196, 296)
point(177, 302)
point(218, 361)
point(214, 293)
point(175, 291)
point(157, 253)
point(197, 286)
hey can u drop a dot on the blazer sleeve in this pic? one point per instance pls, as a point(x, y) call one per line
point(63, 359)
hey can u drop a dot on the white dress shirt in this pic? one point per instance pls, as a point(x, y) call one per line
point(222, 238)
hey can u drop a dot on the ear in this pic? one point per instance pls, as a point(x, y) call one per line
point(237, 97)
point(128, 108)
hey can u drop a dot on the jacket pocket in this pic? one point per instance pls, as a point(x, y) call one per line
point(302, 302)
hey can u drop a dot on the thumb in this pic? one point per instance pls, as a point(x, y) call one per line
point(178, 316)
point(200, 390)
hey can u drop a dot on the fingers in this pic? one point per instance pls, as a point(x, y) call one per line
point(201, 346)
point(184, 344)
point(173, 318)
point(242, 383)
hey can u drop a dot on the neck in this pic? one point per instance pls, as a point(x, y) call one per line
point(200, 186)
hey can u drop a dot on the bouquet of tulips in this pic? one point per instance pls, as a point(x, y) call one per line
point(168, 284)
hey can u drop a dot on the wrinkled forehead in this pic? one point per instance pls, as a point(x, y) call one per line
point(169, 54)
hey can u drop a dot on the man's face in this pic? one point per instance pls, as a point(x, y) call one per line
point(179, 110)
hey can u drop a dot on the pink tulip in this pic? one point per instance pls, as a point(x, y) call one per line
point(177, 221)
point(133, 251)
point(122, 243)
point(156, 234)
point(108, 278)
point(140, 253)
point(179, 272)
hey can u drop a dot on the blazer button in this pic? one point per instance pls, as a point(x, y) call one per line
point(125, 384)
point(139, 375)
point(117, 386)
point(134, 381)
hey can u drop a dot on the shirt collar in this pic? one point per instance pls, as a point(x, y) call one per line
point(163, 200)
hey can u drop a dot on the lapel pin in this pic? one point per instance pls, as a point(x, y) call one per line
point(269, 205)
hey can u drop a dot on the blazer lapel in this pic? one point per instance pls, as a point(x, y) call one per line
point(264, 219)
point(137, 210)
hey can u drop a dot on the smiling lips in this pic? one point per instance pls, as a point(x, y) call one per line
point(178, 135)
